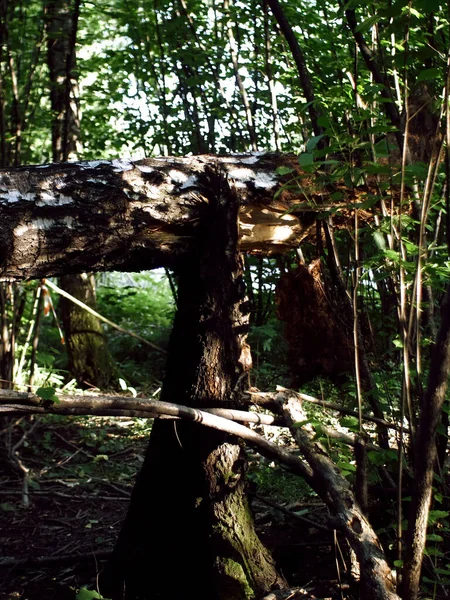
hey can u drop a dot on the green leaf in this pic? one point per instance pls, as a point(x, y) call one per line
point(346, 466)
point(349, 422)
point(379, 240)
point(392, 254)
point(436, 515)
point(336, 196)
point(429, 74)
point(85, 594)
point(323, 121)
point(312, 142)
point(398, 563)
point(284, 171)
point(398, 343)
point(415, 12)
point(434, 537)
point(367, 24)
point(433, 552)
point(305, 159)
point(46, 393)
point(7, 507)
point(376, 458)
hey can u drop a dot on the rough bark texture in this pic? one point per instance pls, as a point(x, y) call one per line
point(100, 215)
point(89, 359)
point(189, 514)
point(61, 27)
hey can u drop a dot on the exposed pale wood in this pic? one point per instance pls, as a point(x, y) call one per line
point(268, 398)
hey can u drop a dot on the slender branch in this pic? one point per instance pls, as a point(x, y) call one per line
point(114, 406)
point(299, 58)
point(390, 107)
point(268, 399)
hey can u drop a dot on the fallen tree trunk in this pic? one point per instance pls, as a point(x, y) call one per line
point(123, 215)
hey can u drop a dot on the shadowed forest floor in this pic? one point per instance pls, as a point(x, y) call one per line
point(81, 473)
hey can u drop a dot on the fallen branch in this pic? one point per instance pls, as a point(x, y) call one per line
point(50, 561)
point(268, 399)
point(377, 579)
point(114, 406)
point(319, 471)
point(291, 514)
point(12, 402)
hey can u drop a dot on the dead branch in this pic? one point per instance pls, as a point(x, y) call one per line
point(318, 471)
point(377, 579)
point(51, 561)
point(114, 406)
point(267, 399)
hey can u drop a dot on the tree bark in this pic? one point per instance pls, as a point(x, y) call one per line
point(89, 358)
point(61, 27)
point(426, 454)
point(189, 513)
point(122, 215)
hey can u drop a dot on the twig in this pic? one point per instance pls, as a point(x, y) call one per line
point(291, 513)
point(72, 445)
point(49, 561)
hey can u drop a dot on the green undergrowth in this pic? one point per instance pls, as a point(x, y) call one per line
point(272, 481)
point(81, 450)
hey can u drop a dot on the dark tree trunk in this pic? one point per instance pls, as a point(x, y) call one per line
point(89, 358)
point(189, 532)
point(426, 454)
point(61, 26)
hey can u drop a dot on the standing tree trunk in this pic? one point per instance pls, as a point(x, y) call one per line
point(189, 532)
point(89, 358)
point(426, 454)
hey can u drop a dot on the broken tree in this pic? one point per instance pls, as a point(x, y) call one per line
point(101, 215)
point(191, 214)
point(189, 514)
